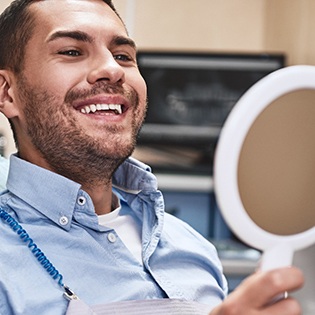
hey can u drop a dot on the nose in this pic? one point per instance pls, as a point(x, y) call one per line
point(106, 68)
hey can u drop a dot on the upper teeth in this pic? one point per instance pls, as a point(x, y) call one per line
point(94, 107)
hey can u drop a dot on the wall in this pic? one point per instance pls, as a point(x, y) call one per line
point(291, 28)
point(4, 4)
point(198, 25)
point(226, 25)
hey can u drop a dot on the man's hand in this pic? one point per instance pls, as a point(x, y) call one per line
point(255, 294)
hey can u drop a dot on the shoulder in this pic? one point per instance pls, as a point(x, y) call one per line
point(191, 253)
point(172, 223)
point(184, 235)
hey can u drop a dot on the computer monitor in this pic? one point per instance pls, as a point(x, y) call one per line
point(190, 96)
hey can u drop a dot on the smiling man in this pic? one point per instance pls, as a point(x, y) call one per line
point(78, 86)
point(75, 200)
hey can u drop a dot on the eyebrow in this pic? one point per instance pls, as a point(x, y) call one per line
point(122, 40)
point(77, 35)
point(84, 37)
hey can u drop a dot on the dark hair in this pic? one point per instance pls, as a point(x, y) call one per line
point(16, 28)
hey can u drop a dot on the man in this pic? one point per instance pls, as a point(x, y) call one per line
point(75, 99)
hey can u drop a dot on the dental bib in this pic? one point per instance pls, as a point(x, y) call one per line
point(140, 307)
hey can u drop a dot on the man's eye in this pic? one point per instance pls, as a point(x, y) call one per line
point(123, 57)
point(71, 53)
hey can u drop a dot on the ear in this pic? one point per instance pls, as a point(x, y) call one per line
point(7, 104)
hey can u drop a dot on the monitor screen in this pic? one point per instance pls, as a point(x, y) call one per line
point(190, 95)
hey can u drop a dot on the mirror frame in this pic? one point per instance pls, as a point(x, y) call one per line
point(227, 155)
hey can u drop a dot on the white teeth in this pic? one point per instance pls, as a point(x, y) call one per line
point(118, 108)
point(95, 107)
point(103, 106)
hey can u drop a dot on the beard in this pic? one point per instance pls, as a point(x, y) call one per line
point(68, 149)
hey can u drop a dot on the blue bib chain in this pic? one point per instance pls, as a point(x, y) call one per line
point(39, 255)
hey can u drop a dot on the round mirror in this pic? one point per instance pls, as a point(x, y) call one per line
point(264, 170)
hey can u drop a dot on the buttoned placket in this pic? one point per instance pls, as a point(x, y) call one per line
point(63, 220)
point(111, 237)
point(81, 201)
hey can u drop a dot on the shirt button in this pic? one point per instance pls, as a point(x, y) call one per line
point(63, 220)
point(81, 201)
point(111, 237)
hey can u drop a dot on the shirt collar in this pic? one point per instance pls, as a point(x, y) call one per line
point(134, 176)
point(56, 196)
point(49, 193)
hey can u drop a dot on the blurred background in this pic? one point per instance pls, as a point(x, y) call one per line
point(198, 57)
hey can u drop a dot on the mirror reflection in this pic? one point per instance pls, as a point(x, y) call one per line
point(276, 170)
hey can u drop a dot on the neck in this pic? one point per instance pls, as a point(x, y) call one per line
point(102, 197)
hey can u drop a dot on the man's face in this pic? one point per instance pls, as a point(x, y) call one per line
point(81, 96)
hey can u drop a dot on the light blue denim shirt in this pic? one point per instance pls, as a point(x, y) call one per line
point(177, 261)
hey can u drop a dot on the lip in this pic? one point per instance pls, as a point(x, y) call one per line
point(103, 99)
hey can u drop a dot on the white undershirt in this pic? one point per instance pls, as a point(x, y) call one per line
point(126, 228)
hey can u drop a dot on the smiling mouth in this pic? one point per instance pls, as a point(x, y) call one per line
point(116, 109)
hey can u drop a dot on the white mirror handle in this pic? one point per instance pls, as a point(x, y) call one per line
point(278, 256)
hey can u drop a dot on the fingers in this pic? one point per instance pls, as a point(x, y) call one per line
point(273, 284)
point(287, 306)
point(255, 294)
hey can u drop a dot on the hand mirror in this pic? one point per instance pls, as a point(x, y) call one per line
point(264, 171)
